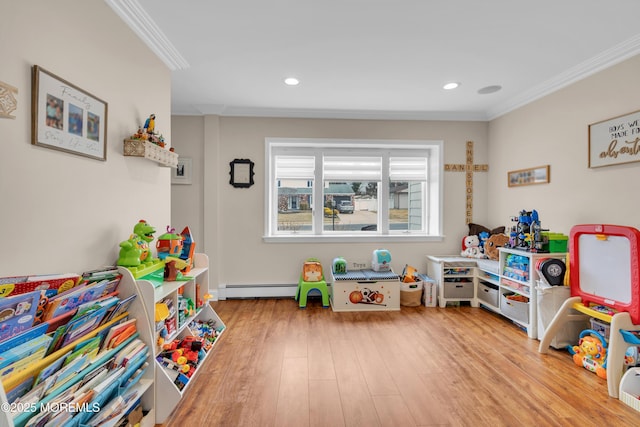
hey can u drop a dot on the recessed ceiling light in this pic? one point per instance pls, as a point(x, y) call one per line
point(291, 81)
point(450, 86)
point(489, 89)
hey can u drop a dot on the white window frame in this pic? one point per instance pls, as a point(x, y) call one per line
point(433, 217)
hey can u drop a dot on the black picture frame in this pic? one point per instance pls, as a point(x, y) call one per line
point(241, 173)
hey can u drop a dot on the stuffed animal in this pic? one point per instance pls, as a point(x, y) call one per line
point(471, 247)
point(492, 244)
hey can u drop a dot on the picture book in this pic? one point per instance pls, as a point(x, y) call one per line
point(80, 325)
point(51, 369)
point(17, 313)
point(63, 303)
point(67, 372)
point(53, 324)
point(107, 273)
point(120, 308)
point(128, 352)
point(24, 336)
point(22, 364)
point(107, 301)
point(19, 390)
point(89, 348)
point(51, 284)
point(118, 334)
point(22, 351)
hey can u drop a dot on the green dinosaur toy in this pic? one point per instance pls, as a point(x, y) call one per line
point(135, 250)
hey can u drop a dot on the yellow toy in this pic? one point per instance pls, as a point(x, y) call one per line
point(591, 352)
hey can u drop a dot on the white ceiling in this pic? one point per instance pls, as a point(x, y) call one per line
point(381, 59)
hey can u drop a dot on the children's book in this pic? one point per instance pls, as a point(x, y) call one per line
point(19, 390)
point(120, 308)
point(128, 352)
point(89, 347)
point(51, 369)
point(12, 360)
point(118, 334)
point(24, 336)
point(81, 326)
point(67, 372)
point(68, 301)
point(51, 284)
point(17, 313)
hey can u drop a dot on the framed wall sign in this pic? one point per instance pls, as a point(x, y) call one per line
point(615, 141)
point(539, 175)
point(67, 118)
point(241, 173)
point(183, 171)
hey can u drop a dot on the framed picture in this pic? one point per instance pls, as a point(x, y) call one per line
point(67, 118)
point(182, 173)
point(539, 175)
point(241, 173)
point(615, 141)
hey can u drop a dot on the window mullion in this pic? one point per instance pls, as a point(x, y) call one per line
point(383, 196)
point(318, 198)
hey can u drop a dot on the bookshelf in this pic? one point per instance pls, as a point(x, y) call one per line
point(194, 288)
point(144, 388)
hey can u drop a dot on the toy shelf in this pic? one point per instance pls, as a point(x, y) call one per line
point(519, 276)
point(144, 387)
point(196, 284)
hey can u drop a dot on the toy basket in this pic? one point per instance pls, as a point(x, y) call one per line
point(411, 294)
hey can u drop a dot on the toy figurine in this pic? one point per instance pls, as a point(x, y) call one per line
point(169, 244)
point(150, 124)
point(135, 250)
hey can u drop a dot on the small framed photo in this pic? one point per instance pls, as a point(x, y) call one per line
point(241, 173)
point(67, 118)
point(539, 175)
point(182, 173)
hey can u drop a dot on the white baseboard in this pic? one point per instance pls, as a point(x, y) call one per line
point(256, 291)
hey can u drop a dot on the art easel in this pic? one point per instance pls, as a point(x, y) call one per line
point(604, 271)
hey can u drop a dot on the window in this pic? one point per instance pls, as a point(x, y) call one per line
point(333, 189)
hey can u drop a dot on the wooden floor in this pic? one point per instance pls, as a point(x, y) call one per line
point(278, 365)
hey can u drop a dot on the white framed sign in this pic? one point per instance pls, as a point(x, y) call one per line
point(615, 141)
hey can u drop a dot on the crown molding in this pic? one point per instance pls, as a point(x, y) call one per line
point(141, 23)
point(606, 59)
point(308, 113)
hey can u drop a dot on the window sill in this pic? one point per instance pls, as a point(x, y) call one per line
point(352, 238)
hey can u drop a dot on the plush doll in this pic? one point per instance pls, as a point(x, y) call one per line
point(492, 244)
point(471, 247)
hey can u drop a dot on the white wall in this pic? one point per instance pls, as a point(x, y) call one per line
point(554, 131)
point(234, 218)
point(62, 212)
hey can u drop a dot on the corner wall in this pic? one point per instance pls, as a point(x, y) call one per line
point(62, 212)
point(554, 131)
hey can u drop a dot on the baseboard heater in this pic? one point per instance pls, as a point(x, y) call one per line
point(257, 291)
